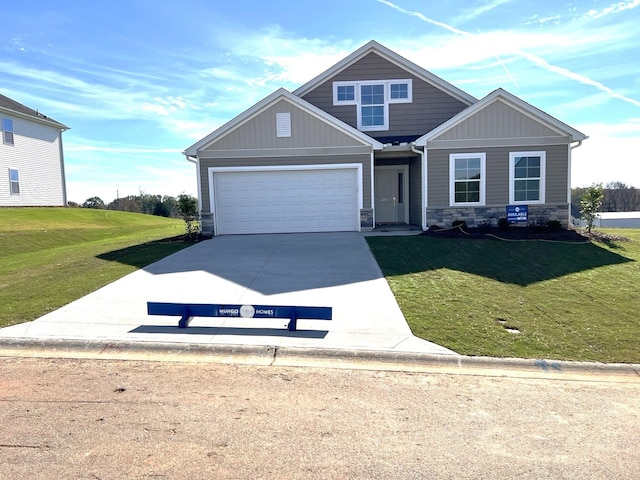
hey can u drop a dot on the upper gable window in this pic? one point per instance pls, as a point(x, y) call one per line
point(345, 93)
point(7, 131)
point(372, 99)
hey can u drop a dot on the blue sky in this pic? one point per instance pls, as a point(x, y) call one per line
point(139, 81)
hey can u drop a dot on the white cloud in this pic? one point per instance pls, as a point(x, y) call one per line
point(476, 47)
point(614, 8)
point(476, 12)
point(608, 155)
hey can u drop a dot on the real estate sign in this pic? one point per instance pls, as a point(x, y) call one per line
point(517, 213)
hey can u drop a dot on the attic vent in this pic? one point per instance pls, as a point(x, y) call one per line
point(283, 124)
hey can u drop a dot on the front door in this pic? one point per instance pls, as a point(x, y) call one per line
point(391, 194)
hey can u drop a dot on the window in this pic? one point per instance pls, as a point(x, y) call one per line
point(14, 181)
point(7, 131)
point(372, 106)
point(372, 99)
point(467, 178)
point(399, 90)
point(345, 93)
point(526, 177)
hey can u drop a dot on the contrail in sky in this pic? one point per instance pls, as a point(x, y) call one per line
point(540, 62)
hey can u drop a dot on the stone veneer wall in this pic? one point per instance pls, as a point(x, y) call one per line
point(206, 224)
point(366, 219)
point(475, 216)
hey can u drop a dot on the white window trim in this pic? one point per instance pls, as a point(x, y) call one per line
point(387, 99)
point(512, 176)
point(4, 132)
point(452, 178)
point(11, 182)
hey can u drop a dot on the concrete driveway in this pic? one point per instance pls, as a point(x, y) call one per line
point(328, 270)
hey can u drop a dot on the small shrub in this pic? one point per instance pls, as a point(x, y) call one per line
point(554, 225)
point(503, 224)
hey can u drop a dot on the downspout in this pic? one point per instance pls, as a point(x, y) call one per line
point(569, 166)
point(196, 162)
point(423, 181)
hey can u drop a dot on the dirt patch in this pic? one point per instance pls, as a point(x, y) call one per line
point(523, 233)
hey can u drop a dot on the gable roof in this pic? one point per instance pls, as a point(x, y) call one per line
point(265, 103)
point(393, 57)
point(514, 102)
point(11, 106)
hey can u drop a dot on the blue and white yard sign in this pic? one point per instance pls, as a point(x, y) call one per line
point(517, 213)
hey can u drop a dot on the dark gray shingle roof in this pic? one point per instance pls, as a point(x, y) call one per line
point(10, 104)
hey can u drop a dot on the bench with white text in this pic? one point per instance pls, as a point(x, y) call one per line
point(187, 311)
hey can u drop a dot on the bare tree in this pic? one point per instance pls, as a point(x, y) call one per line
point(619, 197)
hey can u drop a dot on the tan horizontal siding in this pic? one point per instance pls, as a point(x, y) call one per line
point(497, 174)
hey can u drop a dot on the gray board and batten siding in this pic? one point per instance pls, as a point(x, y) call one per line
point(498, 124)
point(430, 106)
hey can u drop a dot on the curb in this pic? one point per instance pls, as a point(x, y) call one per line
point(308, 357)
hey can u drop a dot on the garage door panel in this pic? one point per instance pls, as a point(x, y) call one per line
point(286, 201)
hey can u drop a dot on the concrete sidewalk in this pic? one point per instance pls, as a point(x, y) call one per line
point(328, 270)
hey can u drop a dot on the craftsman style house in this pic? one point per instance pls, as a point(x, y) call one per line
point(375, 140)
point(31, 159)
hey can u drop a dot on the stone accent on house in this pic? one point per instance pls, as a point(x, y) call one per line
point(206, 224)
point(366, 219)
point(476, 216)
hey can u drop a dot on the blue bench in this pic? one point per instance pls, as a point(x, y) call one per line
point(187, 311)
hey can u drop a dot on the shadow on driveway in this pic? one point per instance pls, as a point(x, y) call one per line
point(273, 264)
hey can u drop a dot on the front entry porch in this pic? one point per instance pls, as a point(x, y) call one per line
point(392, 194)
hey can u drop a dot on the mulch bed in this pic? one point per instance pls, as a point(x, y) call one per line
point(523, 233)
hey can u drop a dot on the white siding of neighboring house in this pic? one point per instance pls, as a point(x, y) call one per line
point(36, 154)
point(612, 220)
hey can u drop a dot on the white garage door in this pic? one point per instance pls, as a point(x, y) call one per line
point(286, 201)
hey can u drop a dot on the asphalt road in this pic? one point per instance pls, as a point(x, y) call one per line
point(106, 419)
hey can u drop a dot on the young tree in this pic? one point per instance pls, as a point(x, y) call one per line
point(590, 204)
point(188, 208)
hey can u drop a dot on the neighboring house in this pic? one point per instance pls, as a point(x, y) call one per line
point(613, 220)
point(31, 159)
point(376, 139)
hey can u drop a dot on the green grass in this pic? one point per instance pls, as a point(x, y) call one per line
point(568, 301)
point(52, 256)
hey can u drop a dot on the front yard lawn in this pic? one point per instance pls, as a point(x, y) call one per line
point(52, 256)
point(529, 299)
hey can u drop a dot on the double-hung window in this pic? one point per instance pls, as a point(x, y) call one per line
point(467, 178)
point(14, 181)
point(372, 107)
point(372, 99)
point(7, 131)
point(526, 177)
